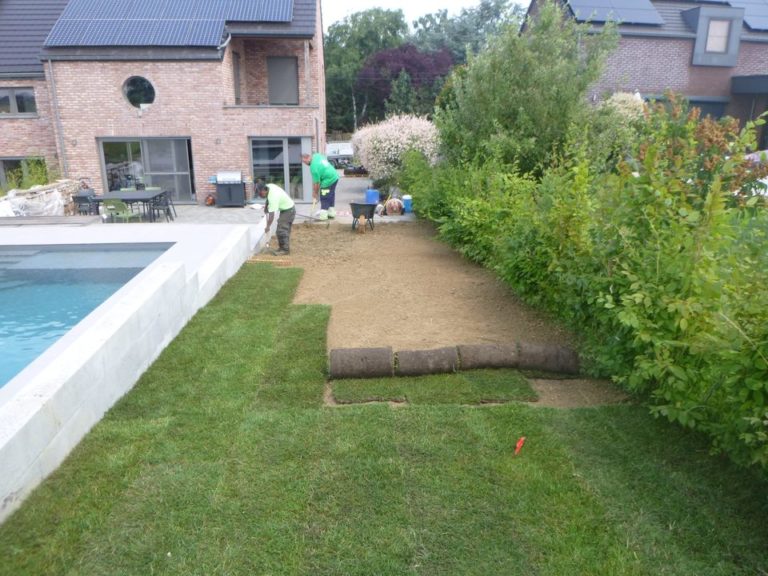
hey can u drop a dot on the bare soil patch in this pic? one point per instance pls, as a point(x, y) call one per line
point(576, 393)
point(399, 286)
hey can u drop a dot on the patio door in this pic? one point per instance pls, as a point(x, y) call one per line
point(162, 162)
point(278, 161)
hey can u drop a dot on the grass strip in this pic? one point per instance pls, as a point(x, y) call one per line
point(471, 387)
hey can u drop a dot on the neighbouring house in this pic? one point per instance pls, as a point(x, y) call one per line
point(715, 53)
point(165, 93)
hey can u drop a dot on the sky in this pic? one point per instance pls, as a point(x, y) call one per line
point(335, 10)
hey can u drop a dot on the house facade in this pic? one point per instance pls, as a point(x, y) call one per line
point(715, 53)
point(167, 94)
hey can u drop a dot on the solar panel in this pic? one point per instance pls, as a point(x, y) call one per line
point(159, 22)
point(755, 12)
point(624, 11)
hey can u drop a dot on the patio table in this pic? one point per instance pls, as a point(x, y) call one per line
point(143, 197)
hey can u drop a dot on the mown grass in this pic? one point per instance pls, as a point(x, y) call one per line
point(475, 387)
point(224, 460)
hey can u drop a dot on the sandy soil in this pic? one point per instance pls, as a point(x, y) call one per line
point(399, 286)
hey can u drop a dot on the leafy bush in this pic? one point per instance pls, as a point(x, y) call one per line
point(515, 102)
point(683, 257)
point(659, 258)
point(381, 147)
point(32, 172)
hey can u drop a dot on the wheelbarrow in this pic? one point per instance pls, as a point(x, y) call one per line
point(367, 210)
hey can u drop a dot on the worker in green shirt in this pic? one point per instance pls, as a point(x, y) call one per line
point(324, 180)
point(278, 200)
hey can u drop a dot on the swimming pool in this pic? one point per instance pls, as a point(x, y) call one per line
point(51, 403)
point(46, 290)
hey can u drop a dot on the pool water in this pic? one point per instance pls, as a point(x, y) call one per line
point(45, 291)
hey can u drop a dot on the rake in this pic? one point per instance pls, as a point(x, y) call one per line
point(309, 219)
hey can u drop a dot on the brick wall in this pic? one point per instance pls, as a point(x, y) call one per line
point(193, 100)
point(254, 62)
point(28, 137)
point(655, 65)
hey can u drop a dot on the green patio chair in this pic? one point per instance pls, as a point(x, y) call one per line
point(118, 211)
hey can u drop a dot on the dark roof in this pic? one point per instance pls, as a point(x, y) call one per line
point(24, 25)
point(672, 22)
point(302, 26)
point(629, 11)
point(755, 12)
point(164, 23)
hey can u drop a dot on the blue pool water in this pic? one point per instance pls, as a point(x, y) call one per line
point(46, 290)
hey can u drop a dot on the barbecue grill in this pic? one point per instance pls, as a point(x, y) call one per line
point(230, 188)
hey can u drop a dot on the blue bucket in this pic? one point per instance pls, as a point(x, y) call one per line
point(371, 196)
point(407, 204)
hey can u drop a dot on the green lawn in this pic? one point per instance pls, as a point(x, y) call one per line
point(224, 461)
point(476, 387)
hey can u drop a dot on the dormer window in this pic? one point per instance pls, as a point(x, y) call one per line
point(717, 36)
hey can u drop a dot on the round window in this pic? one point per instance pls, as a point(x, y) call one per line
point(138, 91)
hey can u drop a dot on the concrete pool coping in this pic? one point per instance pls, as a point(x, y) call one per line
point(50, 405)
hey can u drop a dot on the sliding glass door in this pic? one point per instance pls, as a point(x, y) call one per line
point(123, 164)
point(161, 162)
point(278, 161)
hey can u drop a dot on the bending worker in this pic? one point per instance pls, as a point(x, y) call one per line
point(278, 200)
point(324, 180)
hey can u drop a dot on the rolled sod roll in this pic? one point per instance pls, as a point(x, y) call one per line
point(435, 361)
point(361, 363)
point(475, 356)
point(549, 358)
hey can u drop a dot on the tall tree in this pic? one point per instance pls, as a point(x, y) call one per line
point(383, 70)
point(347, 46)
point(467, 32)
point(516, 100)
point(402, 98)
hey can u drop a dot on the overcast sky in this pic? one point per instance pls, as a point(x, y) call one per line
point(335, 10)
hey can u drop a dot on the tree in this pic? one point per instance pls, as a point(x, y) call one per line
point(384, 69)
point(402, 98)
point(515, 101)
point(347, 46)
point(467, 32)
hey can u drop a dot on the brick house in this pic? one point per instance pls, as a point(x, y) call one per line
point(167, 93)
point(715, 53)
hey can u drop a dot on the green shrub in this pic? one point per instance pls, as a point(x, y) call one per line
point(381, 146)
point(515, 101)
point(683, 250)
point(657, 253)
point(32, 172)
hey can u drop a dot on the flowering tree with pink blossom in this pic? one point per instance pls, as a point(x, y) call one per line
point(380, 147)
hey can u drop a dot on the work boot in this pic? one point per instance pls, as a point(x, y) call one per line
point(323, 215)
point(331, 212)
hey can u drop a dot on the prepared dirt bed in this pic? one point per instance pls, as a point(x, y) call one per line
point(399, 286)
